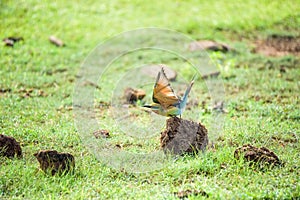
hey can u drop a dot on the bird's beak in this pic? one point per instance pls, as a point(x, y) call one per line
point(153, 106)
point(147, 106)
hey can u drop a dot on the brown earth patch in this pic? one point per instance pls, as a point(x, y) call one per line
point(277, 45)
point(9, 147)
point(132, 95)
point(183, 136)
point(209, 45)
point(10, 41)
point(257, 155)
point(54, 162)
point(101, 133)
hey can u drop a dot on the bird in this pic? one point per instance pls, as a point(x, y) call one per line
point(165, 101)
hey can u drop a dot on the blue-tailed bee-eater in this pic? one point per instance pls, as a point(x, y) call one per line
point(165, 101)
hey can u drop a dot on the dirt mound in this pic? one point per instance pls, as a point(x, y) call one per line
point(132, 95)
point(183, 136)
point(278, 45)
point(257, 155)
point(51, 160)
point(9, 147)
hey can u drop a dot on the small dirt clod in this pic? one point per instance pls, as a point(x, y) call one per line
point(56, 41)
point(10, 41)
point(278, 45)
point(132, 95)
point(9, 147)
point(209, 45)
point(54, 162)
point(101, 133)
point(258, 155)
point(183, 136)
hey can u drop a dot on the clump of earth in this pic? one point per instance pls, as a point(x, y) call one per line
point(278, 45)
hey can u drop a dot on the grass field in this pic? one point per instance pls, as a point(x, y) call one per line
point(37, 81)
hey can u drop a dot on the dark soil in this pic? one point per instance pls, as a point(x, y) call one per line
point(183, 136)
point(10, 41)
point(132, 95)
point(257, 155)
point(54, 162)
point(277, 45)
point(9, 147)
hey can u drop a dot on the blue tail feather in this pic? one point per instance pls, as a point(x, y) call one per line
point(186, 94)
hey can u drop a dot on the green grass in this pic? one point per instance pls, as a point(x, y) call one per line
point(261, 100)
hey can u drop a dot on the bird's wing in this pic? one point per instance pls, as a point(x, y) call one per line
point(163, 92)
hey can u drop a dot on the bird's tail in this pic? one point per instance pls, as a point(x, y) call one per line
point(186, 94)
